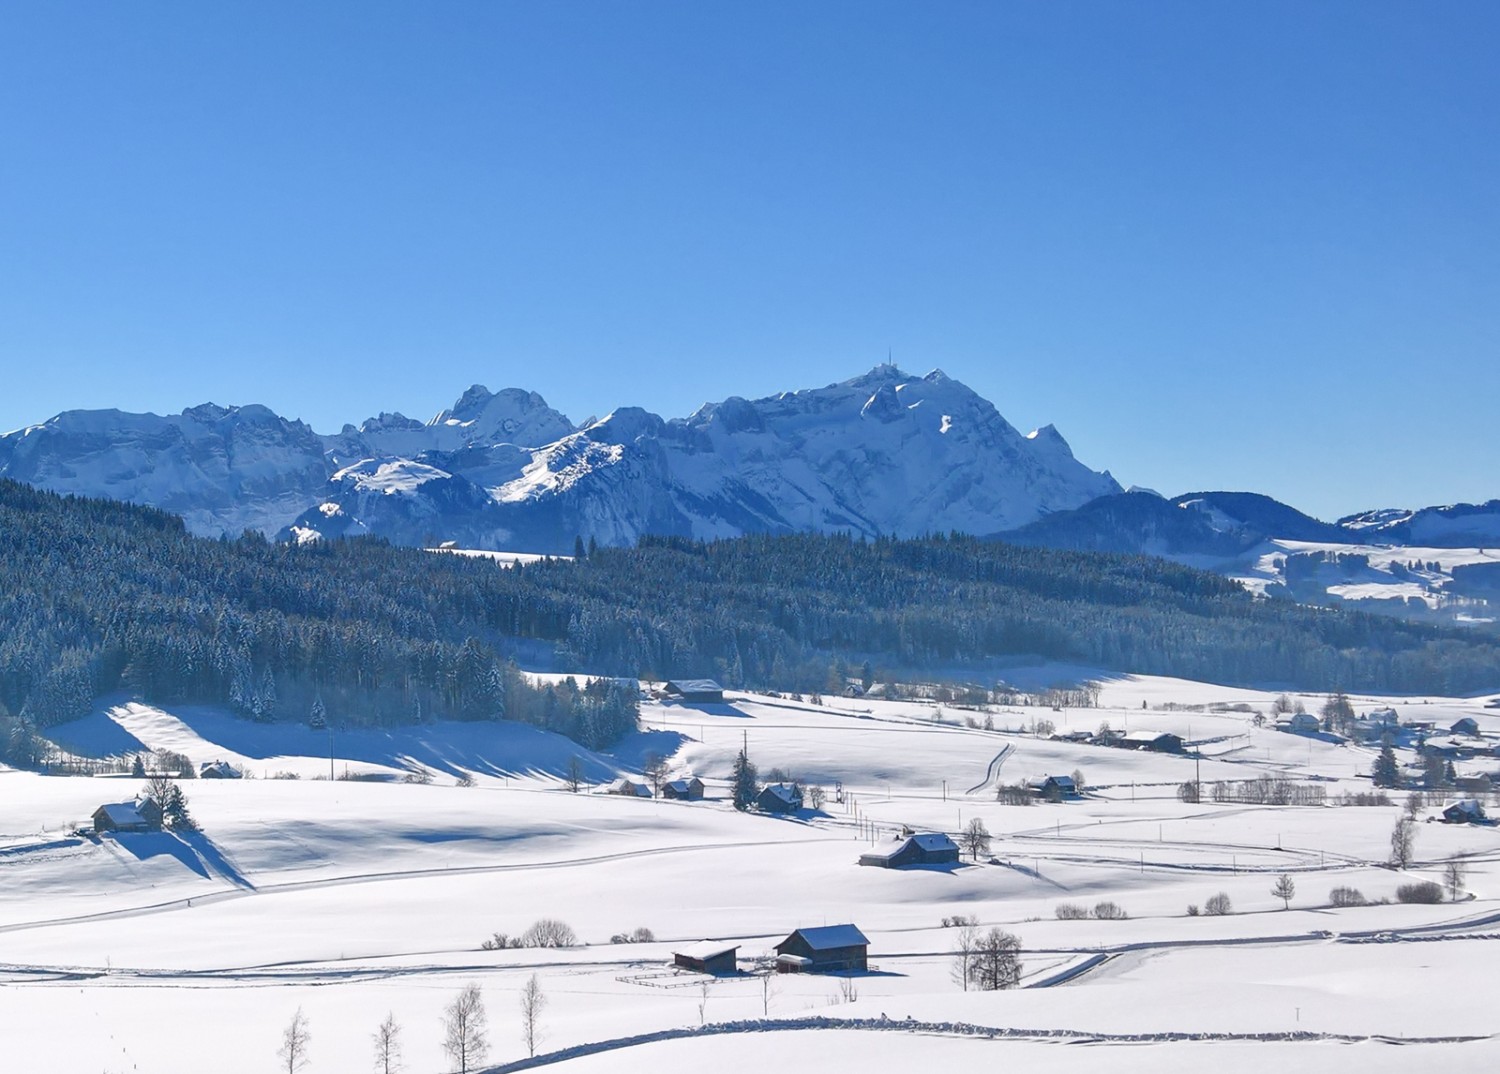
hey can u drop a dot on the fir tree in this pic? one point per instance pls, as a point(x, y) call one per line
point(743, 779)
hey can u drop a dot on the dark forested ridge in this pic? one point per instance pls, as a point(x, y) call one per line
point(97, 596)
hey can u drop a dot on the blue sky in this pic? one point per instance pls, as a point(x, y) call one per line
point(1219, 245)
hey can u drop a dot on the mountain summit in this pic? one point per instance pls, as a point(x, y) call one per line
point(882, 453)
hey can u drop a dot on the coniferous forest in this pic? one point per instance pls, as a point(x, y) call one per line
point(98, 596)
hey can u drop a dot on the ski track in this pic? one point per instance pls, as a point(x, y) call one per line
point(958, 1029)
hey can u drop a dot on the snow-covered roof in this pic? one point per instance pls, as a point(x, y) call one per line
point(934, 841)
point(696, 686)
point(785, 791)
point(1065, 782)
point(682, 786)
point(706, 949)
point(827, 937)
point(1145, 736)
point(123, 814)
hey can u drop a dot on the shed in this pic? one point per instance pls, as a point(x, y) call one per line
point(1480, 784)
point(630, 788)
point(828, 949)
point(138, 816)
point(1467, 811)
point(779, 798)
point(1054, 787)
point(695, 690)
point(708, 956)
point(687, 790)
point(218, 770)
point(924, 848)
point(1465, 726)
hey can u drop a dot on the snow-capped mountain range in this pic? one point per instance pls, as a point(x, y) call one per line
point(881, 453)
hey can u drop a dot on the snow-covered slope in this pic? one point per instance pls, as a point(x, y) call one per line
point(1455, 526)
point(882, 453)
point(223, 469)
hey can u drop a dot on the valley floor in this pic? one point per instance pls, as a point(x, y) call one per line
point(349, 899)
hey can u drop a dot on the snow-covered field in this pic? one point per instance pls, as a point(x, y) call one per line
point(354, 899)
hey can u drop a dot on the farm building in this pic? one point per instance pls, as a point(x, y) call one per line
point(1155, 741)
point(1465, 726)
point(926, 848)
point(1299, 723)
point(779, 798)
point(828, 949)
point(630, 788)
point(139, 816)
point(1480, 784)
point(218, 770)
point(1467, 811)
point(1054, 788)
point(699, 690)
point(687, 790)
point(710, 956)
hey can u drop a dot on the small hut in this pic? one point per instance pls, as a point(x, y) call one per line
point(709, 956)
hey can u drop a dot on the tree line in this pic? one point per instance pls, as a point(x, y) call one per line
point(98, 596)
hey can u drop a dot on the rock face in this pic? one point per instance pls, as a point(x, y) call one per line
point(223, 469)
point(883, 453)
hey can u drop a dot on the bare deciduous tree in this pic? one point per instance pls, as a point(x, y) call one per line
point(532, 1002)
point(294, 1042)
point(388, 1045)
point(997, 962)
point(703, 1004)
point(655, 771)
point(975, 838)
point(766, 992)
point(964, 949)
point(1218, 905)
point(549, 932)
point(1454, 874)
point(1284, 888)
point(1403, 842)
point(464, 1024)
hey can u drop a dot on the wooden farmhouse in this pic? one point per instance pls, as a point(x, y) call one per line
point(710, 956)
point(1154, 741)
point(140, 816)
point(779, 798)
point(827, 949)
point(1466, 725)
point(630, 788)
point(1054, 788)
point(1467, 811)
point(700, 691)
point(924, 848)
point(687, 790)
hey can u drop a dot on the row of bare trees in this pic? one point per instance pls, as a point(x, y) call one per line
point(465, 1033)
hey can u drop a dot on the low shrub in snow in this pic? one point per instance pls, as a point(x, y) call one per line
point(1218, 905)
point(1424, 891)
point(1345, 896)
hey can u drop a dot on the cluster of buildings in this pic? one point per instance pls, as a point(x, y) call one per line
point(826, 949)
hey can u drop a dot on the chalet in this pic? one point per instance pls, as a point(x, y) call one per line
point(687, 790)
point(923, 848)
point(1467, 811)
point(1155, 741)
point(1054, 788)
point(829, 949)
point(1465, 726)
point(630, 788)
point(143, 815)
point(695, 690)
point(710, 956)
point(218, 770)
point(1299, 723)
point(779, 798)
